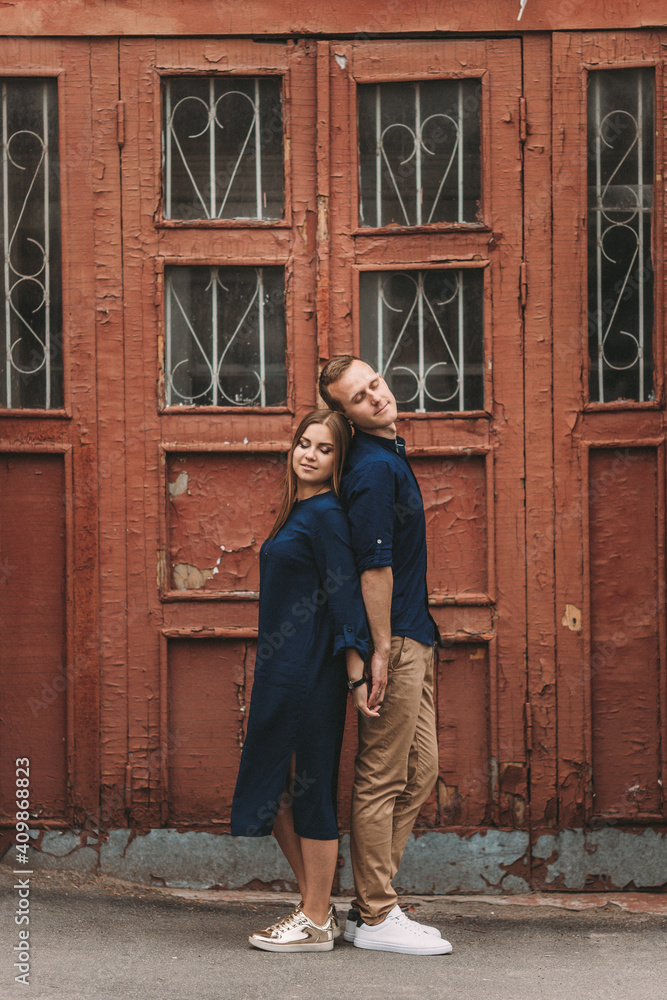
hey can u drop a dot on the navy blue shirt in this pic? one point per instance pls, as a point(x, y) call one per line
point(310, 604)
point(388, 528)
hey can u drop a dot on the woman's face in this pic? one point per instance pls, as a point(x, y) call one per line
point(313, 458)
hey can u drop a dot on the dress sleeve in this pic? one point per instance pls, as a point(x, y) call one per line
point(370, 504)
point(335, 563)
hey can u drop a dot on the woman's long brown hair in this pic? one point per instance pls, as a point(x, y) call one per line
point(341, 435)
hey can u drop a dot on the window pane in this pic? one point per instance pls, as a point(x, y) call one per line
point(424, 330)
point(225, 336)
point(223, 148)
point(31, 370)
point(620, 200)
point(419, 152)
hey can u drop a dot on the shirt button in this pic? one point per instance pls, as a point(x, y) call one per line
point(379, 541)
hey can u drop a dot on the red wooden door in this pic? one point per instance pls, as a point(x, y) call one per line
point(609, 446)
point(219, 236)
point(420, 261)
point(59, 189)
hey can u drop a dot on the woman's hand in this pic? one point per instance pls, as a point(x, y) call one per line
point(360, 699)
point(355, 669)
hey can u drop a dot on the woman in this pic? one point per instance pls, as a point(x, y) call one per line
point(312, 627)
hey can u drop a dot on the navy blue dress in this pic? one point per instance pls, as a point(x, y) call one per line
point(310, 612)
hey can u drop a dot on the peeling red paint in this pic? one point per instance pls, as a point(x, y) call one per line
point(339, 17)
point(217, 525)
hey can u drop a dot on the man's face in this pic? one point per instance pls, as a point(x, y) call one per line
point(366, 400)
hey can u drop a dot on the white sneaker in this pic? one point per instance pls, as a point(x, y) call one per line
point(354, 919)
point(400, 934)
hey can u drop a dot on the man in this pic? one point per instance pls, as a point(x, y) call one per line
point(396, 765)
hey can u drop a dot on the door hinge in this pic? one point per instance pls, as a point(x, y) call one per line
point(120, 123)
point(523, 282)
point(529, 726)
point(523, 121)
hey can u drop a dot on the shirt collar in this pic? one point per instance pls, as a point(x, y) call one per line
point(389, 444)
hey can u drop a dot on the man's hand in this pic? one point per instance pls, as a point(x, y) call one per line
point(379, 675)
point(377, 586)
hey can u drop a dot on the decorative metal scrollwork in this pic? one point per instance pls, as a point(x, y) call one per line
point(223, 148)
point(225, 336)
point(620, 275)
point(424, 331)
point(419, 152)
point(31, 242)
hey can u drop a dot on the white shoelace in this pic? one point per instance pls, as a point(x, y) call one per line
point(403, 920)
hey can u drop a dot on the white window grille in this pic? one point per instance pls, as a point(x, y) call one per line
point(419, 152)
point(225, 336)
point(223, 148)
point(620, 202)
point(424, 332)
point(31, 338)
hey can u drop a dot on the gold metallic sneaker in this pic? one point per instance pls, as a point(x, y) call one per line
point(295, 933)
point(334, 917)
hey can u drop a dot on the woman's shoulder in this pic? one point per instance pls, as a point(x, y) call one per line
point(322, 508)
point(328, 517)
point(330, 501)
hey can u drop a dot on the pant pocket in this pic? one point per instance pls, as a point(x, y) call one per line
point(396, 652)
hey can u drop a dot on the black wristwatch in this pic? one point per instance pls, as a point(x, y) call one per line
point(355, 684)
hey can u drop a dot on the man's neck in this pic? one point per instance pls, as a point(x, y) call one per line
point(389, 433)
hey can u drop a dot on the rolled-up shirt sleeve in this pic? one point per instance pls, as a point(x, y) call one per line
point(369, 500)
point(335, 562)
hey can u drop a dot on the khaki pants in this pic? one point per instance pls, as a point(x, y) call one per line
point(395, 771)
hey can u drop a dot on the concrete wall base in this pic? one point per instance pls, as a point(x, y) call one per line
point(490, 862)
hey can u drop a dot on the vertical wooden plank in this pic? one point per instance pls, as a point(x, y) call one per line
point(79, 332)
point(323, 196)
point(569, 333)
point(538, 346)
point(114, 608)
point(301, 286)
point(504, 91)
point(342, 204)
point(140, 192)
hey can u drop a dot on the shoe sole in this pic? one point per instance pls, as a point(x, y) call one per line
point(401, 949)
point(294, 946)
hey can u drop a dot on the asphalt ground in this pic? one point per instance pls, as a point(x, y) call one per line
point(98, 938)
